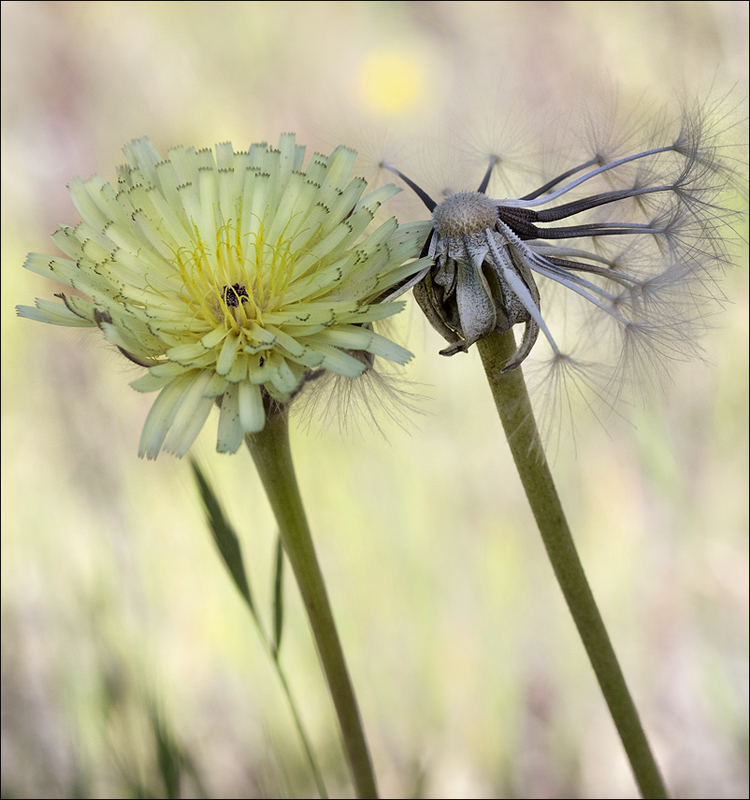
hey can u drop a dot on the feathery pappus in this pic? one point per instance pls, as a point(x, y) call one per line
point(637, 237)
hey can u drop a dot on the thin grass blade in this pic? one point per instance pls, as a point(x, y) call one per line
point(226, 539)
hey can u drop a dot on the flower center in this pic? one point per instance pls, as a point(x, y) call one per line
point(233, 295)
point(237, 279)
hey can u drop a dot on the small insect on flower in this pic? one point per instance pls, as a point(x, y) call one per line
point(647, 231)
point(233, 278)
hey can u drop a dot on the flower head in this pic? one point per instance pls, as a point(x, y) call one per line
point(646, 233)
point(232, 277)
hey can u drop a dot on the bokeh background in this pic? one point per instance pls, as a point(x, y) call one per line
point(119, 623)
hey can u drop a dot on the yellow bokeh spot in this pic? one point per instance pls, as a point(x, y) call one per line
point(392, 83)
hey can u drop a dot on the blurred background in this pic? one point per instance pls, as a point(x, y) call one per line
point(120, 628)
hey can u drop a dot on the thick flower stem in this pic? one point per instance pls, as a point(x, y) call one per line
point(513, 405)
point(273, 458)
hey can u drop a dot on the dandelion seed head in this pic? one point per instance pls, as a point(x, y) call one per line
point(464, 213)
point(611, 267)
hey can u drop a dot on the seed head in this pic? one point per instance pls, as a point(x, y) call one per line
point(464, 214)
point(637, 236)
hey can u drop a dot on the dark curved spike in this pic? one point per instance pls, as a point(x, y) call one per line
point(487, 175)
point(577, 206)
point(517, 213)
point(69, 306)
point(559, 179)
point(423, 196)
point(520, 221)
point(131, 357)
point(605, 272)
point(566, 263)
point(595, 229)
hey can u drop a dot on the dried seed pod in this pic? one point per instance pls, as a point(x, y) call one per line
point(652, 228)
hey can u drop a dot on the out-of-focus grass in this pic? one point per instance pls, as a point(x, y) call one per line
point(120, 628)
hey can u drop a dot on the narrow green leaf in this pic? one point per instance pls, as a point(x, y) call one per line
point(278, 598)
point(169, 758)
point(225, 537)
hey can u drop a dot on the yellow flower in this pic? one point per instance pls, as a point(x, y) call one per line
point(232, 277)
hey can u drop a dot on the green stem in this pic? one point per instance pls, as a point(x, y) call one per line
point(273, 458)
point(516, 415)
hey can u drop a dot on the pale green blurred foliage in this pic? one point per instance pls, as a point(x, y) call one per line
point(116, 610)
